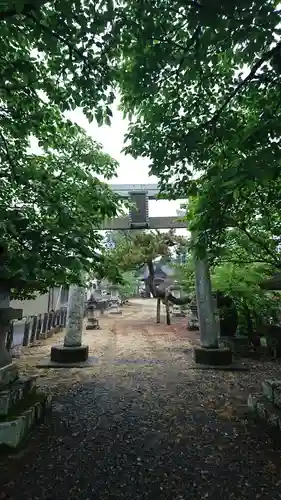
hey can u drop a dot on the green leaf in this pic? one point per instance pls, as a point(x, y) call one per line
point(99, 117)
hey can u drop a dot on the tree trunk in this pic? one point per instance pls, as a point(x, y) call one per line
point(147, 290)
point(160, 292)
point(158, 310)
point(168, 316)
point(250, 326)
point(150, 278)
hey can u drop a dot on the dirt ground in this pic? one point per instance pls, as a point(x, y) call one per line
point(124, 341)
point(142, 423)
point(132, 336)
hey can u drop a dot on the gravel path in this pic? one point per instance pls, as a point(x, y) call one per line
point(142, 424)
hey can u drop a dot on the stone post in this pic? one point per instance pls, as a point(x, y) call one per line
point(72, 350)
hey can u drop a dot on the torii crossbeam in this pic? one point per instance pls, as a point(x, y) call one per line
point(138, 217)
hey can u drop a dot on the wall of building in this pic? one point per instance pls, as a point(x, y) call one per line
point(42, 303)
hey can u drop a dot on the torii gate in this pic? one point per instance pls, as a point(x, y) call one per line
point(139, 195)
point(138, 218)
point(74, 352)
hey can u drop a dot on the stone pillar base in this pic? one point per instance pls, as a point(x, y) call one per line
point(212, 356)
point(62, 354)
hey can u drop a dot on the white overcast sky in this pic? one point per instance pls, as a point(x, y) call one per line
point(130, 171)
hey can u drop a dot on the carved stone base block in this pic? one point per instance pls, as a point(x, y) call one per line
point(266, 405)
point(93, 327)
point(63, 354)
point(21, 406)
point(93, 324)
point(8, 374)
point(114, 306)
point(14, 393)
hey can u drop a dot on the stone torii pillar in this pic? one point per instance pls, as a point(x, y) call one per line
point(209, 353)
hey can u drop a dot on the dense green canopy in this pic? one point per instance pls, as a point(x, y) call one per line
point(202, 82)
point(53, 59)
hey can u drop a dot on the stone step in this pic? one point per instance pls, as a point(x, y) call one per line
point(262, 408)
point(15, 428)
point(14, 393)
point(271, 389)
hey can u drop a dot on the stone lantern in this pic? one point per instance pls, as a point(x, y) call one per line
point(92, 321)
point(114, 301)
point(114, 292)
point(7, 314)
point(15, 391)
point(176, 291)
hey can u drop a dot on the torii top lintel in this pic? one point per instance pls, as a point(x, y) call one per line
point(125, 190)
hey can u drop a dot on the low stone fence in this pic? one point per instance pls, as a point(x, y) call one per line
point(31, 328)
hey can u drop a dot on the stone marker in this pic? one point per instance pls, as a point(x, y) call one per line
point(72, 350)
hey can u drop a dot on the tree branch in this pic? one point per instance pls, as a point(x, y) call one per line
point(27, 8)
point(60, 38)
point(254, 261)
point(264, 58)
point(193, 39)
point(9, 158)
point(254, 239)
